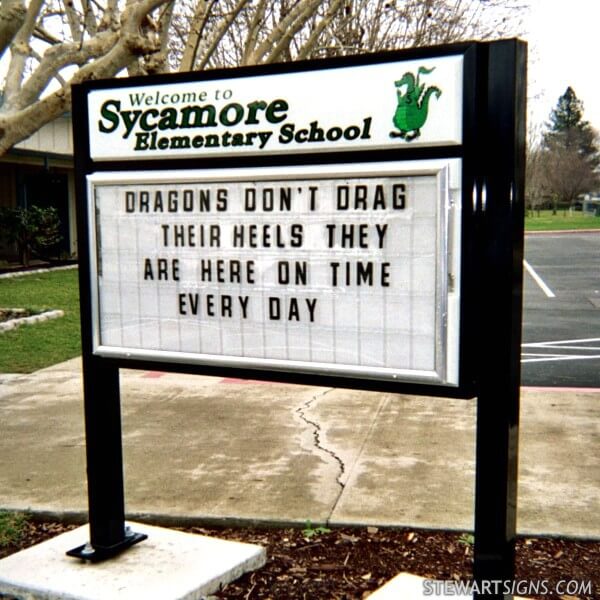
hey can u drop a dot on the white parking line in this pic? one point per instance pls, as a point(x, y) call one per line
point(556, 350)
point(561, 347)
point(554, 358)
point(538, 280)
point(560, 343)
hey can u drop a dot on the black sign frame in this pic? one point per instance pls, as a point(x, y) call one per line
point(492, 154)
point(85, 165)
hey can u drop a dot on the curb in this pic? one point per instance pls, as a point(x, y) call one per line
point(12, 274)
point(561, 232)
point(45, 316)
point(80, 517)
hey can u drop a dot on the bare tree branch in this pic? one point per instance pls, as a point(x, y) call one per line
point(113, 52)
point(55, 59)
point(42, 34)
point(311, 42)
point(110, 18)
point(197, 25)
point(89, 18)
point(12, 17)
point(20, 51)
point(74, 20)
point(218, 35)
point(158, 63)
point(292, 28)
point(281, 34)
point(253, 31)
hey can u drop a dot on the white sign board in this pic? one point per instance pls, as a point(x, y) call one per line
point(347, 269)
point(380, 106)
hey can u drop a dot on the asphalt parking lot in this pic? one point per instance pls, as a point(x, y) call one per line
point(561, 318)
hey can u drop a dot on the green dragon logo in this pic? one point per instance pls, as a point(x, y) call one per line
point(413, 105)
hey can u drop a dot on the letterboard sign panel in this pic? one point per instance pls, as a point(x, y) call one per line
point(349, 270)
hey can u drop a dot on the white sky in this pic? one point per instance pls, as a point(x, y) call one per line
point(564, 49)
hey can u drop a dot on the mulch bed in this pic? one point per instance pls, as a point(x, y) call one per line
point(350, 563)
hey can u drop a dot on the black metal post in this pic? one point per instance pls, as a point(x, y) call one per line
point(108, 534)
point(501, 208)
point(104, 453)
point(102, 402)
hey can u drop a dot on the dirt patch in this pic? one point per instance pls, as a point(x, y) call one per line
point(350, 563)
point(7, 314)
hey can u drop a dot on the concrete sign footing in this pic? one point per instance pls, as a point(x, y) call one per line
point(169, 565)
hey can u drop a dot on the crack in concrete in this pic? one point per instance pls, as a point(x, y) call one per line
point(316, 433)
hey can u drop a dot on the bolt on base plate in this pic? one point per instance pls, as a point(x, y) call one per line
point(99, 553)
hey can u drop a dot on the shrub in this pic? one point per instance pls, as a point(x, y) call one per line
point(34, 230)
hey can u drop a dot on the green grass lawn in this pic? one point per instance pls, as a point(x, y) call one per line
point(32, 347)
point(546, 221)
point(12, 525)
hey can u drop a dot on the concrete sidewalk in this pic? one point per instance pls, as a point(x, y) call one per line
point(209, 449)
